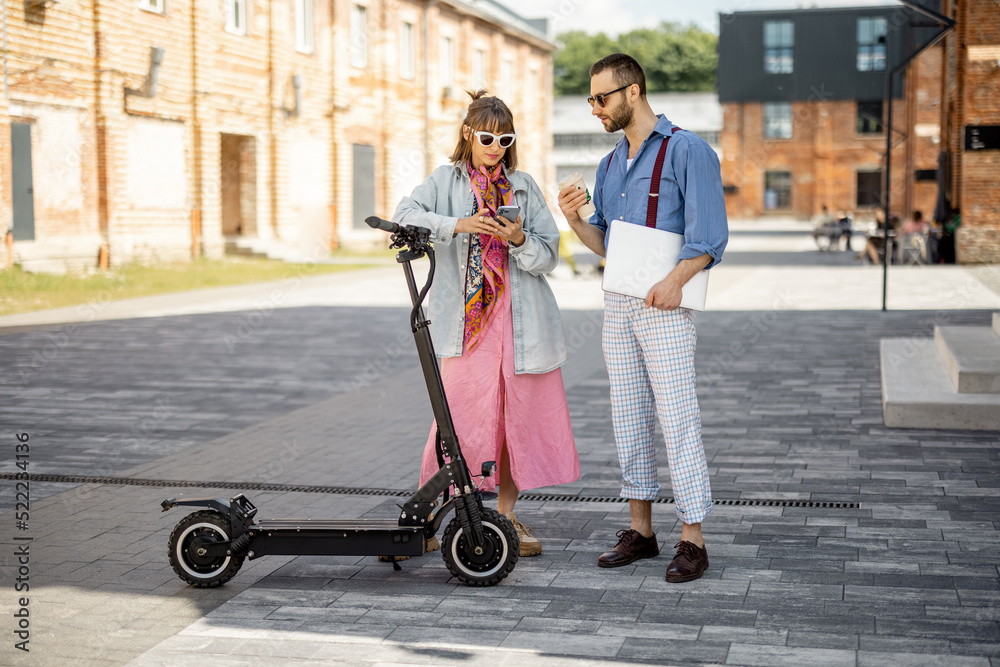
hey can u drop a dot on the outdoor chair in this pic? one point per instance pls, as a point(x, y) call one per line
point(913, 250)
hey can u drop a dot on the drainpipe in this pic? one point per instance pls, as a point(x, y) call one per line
point(297, 88)
point(272, 140)
point(196, 221)
point(152, 75)
point(5, 93)
point(10, 234)
point(334, 131)
point(428, 157)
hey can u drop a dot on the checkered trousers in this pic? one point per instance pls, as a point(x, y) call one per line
point(650, 358)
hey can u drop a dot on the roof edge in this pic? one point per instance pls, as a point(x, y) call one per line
point(504, 18)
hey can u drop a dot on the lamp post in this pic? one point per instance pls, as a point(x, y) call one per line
point(947, 25)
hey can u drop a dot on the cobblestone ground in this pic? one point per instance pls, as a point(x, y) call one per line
point(791, 411)
point(101, 398)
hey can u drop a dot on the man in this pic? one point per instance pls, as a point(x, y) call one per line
point(649, 345)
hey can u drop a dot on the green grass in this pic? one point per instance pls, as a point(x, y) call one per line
point(22, 292)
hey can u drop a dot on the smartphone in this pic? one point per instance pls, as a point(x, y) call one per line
point(508, 212)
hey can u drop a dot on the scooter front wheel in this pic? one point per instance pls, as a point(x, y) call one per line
point(188, 555)
point(488, 564)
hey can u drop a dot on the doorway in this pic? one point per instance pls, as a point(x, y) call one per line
point(364, 184)
point(239, 185)
point(23, 185)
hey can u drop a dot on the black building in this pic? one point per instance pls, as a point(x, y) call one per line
point(815, 54)
point(803, 97)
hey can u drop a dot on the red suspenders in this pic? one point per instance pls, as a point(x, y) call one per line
point(654, 184)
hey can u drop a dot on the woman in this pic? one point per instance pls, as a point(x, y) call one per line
point(493, 317)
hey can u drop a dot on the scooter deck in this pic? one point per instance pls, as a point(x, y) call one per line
point(335, 537)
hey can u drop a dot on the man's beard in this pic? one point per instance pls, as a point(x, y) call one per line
point(620, 118)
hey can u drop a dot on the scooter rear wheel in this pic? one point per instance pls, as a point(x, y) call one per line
point(187, 554)
point(494, 561)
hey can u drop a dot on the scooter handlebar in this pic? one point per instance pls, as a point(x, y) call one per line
point(376, 222)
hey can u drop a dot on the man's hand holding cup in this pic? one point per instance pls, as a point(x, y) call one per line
point(574, 199)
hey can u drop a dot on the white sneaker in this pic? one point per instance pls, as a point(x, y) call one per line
point(530, 546)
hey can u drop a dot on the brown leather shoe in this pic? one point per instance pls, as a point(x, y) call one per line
point(631, 547)
point(689, 563)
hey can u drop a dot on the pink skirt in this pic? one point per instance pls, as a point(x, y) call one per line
point(490, 405)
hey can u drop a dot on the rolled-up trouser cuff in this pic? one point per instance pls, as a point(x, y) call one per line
point(694, 516)
point(640, 492)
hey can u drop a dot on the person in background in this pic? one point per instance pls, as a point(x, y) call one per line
point(875, 245)
point(915, 225)
point(846, 229)
point(946, 247)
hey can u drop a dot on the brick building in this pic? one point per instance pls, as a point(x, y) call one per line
point(804, 123)
point(166, 128)
point(970, 116)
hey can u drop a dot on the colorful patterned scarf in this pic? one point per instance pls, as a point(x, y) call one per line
point(487, 253)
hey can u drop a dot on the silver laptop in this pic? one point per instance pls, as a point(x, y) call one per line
point(638, 257)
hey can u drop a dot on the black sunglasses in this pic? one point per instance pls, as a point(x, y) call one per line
point(602, 99)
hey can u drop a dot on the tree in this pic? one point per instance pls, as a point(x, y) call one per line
point(675, 58)
point(572, 65)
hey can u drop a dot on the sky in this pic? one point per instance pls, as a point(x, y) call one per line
point(616, 16)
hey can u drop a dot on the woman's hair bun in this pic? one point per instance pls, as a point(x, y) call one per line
point(476, 94)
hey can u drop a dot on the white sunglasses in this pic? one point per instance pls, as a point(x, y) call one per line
point(487, 138)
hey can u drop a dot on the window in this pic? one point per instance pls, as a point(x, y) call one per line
point(534, 83)
point(359, 36)
point(869, 188)
point(236, 16)
point(507, 79)
point(777, 190)
point(304, 25)
point(157, 6)
point(870, 117)
point(447, 62)
point(779, 40)
point(871, 44)
point(586, 141)
point(778, 120)
point(407, 52)
point(480, 67)
point(363, 184)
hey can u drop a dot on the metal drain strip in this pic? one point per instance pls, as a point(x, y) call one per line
point(241, 486)
point(761, 502)
point(360, 491)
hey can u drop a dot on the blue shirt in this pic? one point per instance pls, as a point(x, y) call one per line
point(691, 199)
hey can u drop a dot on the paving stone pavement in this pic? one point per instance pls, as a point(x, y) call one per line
point(791, 411)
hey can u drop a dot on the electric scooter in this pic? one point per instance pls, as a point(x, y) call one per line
point(480, 546)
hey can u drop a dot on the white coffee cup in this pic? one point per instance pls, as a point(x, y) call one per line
point(587, 208)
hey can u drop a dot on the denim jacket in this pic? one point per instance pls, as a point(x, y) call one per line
point(437, 204)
